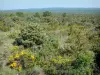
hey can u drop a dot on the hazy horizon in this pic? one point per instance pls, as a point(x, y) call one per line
point(55, 7)
point(30, 4)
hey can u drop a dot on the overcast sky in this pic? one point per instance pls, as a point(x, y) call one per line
point(24, 4)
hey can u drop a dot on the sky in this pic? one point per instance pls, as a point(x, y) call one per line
point(25, 4)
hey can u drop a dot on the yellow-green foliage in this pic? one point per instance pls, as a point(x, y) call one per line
point(58, 44)
point(83, 64)
point(20, 59)
point(76, 40)
point(3, 27)
point(61, 60)
point(14, 34)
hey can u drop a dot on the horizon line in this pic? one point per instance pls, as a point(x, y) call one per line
point(49, 7)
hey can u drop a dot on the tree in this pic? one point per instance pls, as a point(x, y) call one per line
point(47, 13)
point(63, 18)
point(64, 14)
point(36, 14)
point(20, 14)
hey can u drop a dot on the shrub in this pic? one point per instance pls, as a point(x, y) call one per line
point(14, 34)
point(77, 40)
point(47, 19)
point(6, 24)
point(47, 13)
point(83, 65)
point(20, 59)
point(30, 36)
point(49, 48)
point(15, 19)
point(55, 65)
point(64, 15)
point(37, 15)
point(4, 28)
point(59, 65)
point(20, 14)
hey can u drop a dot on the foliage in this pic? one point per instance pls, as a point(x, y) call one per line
point(37, 15)
point(64, 14)
point(84, 59)
point(57, 65)
point(14, 34)
point(15, 19)
point(77, 40)
point(4, 28)
point(1, 42)
point(75, 52)
point(30, 36)
point(47, 13)
point(83, 65)
point(20, 14)
point(20, 60)
point(51, 44)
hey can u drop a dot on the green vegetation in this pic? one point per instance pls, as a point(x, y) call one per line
point(30, 36)
point(46, 13)
point(20, 14)
point(49, 43)
point(36, 14)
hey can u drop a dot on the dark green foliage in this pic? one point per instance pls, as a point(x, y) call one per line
point(83, 65)
point(47, 19)
point(84, 60)
point(30, 36)
point(47, 13)
point(37, 15)
point(15, 19)
point(64, 15)
point(20, 14)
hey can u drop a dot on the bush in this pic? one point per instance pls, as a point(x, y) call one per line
point(6, 24)
point(30, 36)
point(64, 15)
point(37, 15)
point(47, 13)
point(20, 14)
point(20, 59)
point(14, 34)
point(15, 19)
point(4, 28)
point(77, 40)
point(57, 66)
point(83, 65)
